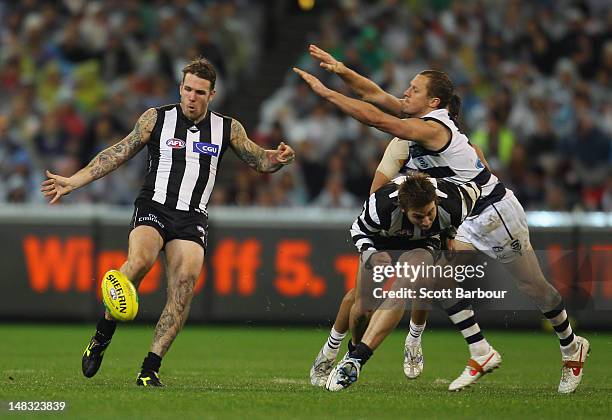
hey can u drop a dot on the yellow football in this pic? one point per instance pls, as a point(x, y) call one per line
point(119, 296)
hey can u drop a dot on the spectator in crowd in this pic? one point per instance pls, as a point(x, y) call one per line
point(540, 110)
point(335, 196)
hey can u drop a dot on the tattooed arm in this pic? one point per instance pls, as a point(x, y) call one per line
point(256, 157)
point(105, 162)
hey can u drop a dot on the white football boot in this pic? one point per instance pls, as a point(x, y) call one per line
point(413, 360)
point(343, 375)
point(571, 372)
point(476, 368)
point(320, 370)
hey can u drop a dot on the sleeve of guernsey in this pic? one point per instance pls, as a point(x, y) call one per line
point(374, 218)
point(396, 153)
point(458, 201)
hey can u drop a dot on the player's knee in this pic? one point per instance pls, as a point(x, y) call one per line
point(359, 309)
point(538, 291)
point(140, 264)
point(416, 257)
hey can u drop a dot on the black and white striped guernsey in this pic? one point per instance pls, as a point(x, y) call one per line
point(184, 158)
point(456, 162)
point(382, 216)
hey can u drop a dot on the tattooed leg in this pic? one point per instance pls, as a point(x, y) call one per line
point(174, 315)
point(184, 262)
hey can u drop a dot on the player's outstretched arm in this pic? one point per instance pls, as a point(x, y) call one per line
point(256, 157)
point(362, 86)
point(105, 162)
point(429, 134)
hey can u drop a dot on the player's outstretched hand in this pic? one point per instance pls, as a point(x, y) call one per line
point(328, 62)
point(314, 83)
point(284, 154)
point(55, 187)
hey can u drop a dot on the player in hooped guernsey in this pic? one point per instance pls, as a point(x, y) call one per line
point(186, 142)
point(433, 144)
point(457, 162)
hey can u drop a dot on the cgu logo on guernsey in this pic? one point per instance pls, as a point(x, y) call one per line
point(206, 148)
point(175, 143)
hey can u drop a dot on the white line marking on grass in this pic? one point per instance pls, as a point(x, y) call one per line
point(289, 381)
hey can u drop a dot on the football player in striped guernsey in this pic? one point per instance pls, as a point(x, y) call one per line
point(445, 152)
point(406, 220)
point(185, 143)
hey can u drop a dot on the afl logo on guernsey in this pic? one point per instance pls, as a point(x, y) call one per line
point(175, 143)
point(206, 148)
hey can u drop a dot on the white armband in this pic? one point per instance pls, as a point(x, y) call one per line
point(396, 153)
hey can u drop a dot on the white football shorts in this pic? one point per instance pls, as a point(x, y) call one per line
point(500, 231)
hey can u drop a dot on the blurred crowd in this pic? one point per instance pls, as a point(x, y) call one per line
point(75, 75)
point(535, 78)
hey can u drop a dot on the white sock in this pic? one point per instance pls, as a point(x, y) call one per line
point(332, 345)
point(479, 348)
point(414, 336)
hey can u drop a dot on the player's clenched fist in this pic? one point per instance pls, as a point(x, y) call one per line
point(284, 154)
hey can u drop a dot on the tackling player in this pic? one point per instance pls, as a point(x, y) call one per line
point(408, 215)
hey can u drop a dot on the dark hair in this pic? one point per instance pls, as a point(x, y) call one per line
point(440, 86)
point(201, 68)
point(416, 191)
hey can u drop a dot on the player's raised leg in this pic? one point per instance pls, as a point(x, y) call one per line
point(184, 263)
point(324, 362)
point(145, 242)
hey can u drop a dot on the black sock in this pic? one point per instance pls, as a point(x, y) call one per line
point(151, 363)
point(362, 352)
point(105, 330)
point(351, 346)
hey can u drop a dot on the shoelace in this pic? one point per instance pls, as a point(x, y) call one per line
point(96, 347)
point(324, 366)
point(412, 359)
point(565, 374)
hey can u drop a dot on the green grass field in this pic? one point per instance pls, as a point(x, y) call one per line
point(232, 372)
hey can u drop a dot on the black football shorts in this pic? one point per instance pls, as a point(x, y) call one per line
point(170, 223)
point(396, 245)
